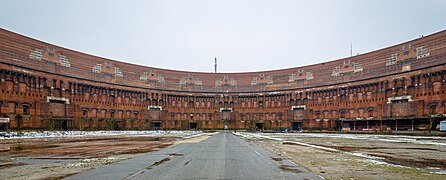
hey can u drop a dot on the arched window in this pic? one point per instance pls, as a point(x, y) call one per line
point(433, 109)
point(280, 115)
point(210, 116)
point(342, 114)
point(318, 114)
point(26, 109)
point(85, 113)
point(135, 115)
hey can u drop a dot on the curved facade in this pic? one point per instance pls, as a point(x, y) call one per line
point(50, 87)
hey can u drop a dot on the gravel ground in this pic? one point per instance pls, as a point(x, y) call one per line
point(359, 156)
point(58, 154)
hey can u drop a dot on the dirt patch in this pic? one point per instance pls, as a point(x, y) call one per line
point(83, 147)
point(193, 140)
point(290, 168)
point(351, 148)
point(277, 158)
point(423, 163)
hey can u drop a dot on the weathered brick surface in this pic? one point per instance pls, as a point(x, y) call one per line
point(46, 86)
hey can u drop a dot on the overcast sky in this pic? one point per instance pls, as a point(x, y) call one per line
point(245, 35)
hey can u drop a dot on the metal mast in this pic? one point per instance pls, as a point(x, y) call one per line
point(215, 65)
point(351, 49)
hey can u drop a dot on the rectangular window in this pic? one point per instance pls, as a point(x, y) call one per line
point(392, 60)
point(422, 52)
point(36, 54)
point(64, 61)
point(26, 110)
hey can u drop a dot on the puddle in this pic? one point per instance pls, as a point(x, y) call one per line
point(176, 154)
point(158, 163)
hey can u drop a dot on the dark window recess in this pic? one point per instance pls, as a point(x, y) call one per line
point(346, 74)
point(342, 115)
point(156, 125)
point(155, 109)
point(26, 110)
point(57, 101)
point(50, 54)
point(433, 109)
point(400, 101)
point(193, 125)
point(406, 62)
point(298, 108)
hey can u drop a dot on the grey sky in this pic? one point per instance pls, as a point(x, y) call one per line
point(245, 35)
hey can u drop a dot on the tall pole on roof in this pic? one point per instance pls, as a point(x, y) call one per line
point(215, 65)
point(351, 49)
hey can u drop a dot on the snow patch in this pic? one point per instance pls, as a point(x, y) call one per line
point(256, 136)
point(427, 140)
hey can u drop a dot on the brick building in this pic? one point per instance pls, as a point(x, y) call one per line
point(44, 86)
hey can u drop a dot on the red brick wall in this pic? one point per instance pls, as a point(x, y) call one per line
point(328, 99)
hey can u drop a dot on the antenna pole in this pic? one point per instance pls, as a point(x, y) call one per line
point(215, 65)
point(351, 49)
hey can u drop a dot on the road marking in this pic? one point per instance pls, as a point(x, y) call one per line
point(262, 157)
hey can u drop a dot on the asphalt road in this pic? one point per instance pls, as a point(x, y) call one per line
point(222, 156)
